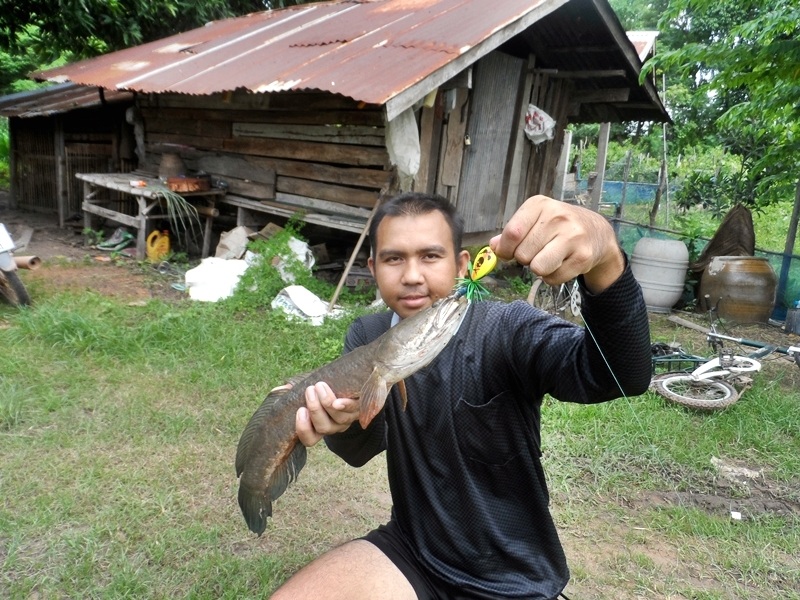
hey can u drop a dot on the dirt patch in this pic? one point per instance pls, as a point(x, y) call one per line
point(730, 494)
point(69, 263)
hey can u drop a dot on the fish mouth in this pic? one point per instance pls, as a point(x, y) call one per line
point(449, 307)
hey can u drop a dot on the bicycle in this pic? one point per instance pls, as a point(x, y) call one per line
point(710, 385)
point(563, 300)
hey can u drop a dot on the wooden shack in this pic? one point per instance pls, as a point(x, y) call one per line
point(312, 108)
point(58, 131)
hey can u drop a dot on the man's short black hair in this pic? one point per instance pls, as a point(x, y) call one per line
point(412, 204)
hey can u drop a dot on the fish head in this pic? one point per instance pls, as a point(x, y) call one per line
point(417, 340)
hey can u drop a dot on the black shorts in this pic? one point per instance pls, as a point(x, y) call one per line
point(389, 540)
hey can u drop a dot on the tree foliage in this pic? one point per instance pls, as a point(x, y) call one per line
point(85, 28)
point(734, 67)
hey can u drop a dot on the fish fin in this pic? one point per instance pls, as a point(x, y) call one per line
point(287, 472)
point(401, 385)
point(373, 397)
point(257, 505)
point(250, 433)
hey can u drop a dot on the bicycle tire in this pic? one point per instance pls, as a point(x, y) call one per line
point(12, 289)
point(703, 395)
point(560, 300)
point(541, 296)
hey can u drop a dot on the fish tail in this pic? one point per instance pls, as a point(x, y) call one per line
point(256, 504)
point(256, 507)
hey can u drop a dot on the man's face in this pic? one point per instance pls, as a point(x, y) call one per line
point(415, 262)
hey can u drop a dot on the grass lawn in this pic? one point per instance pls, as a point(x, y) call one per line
point(119, 423)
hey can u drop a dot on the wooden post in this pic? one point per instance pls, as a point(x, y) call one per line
point(788, 250)
point(60, 157)
point(391, 188)
point(600, 165)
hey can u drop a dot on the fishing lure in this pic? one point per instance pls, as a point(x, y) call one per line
point(485, 262)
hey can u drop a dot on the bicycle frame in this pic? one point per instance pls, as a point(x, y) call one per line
point(715, 340)
point(724, 366)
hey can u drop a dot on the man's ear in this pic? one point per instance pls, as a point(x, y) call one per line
point(463, 263)
point(371, 266)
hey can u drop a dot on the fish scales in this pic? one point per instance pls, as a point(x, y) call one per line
point(269, 455)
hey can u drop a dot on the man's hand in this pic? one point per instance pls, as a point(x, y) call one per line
point(324, 414)
point(559, 241)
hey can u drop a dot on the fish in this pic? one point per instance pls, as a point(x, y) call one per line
point(270, 456)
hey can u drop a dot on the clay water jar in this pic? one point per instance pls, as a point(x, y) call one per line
point(741, 287)
point(660, 267)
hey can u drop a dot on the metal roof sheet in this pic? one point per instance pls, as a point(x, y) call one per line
point(382, 52)
point(57, 99)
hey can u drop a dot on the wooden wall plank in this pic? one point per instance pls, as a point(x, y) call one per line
point(325, 191)
point(183, 125)
point(340, 134)
point(481, 198)
point(371, 118)
point(236, 166)
point(301, 150)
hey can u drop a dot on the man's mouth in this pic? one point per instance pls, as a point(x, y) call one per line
point(414, 300)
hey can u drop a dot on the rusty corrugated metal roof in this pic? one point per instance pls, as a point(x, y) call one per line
point(384, 52)
point(371, 51)
point(57, 99)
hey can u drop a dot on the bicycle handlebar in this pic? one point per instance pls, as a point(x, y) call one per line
point(790, 350)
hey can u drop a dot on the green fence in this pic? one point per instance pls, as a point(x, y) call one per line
point(787, 268)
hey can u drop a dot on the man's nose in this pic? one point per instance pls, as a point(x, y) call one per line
point(412, 274)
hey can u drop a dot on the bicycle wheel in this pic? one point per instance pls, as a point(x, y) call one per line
point(12, 290)
point(707, 394)
point(543, 296)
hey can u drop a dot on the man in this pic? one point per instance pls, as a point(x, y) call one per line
point(470, 518)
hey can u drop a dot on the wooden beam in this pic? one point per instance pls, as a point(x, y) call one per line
point(600, 96)
point(591, 74)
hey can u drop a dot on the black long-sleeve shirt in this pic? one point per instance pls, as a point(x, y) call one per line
point(463, 459)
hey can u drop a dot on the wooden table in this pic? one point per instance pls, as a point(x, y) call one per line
point(147, 199)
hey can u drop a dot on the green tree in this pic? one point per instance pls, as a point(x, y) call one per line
point(734, 67)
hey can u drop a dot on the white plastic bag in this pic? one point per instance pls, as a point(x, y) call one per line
point(299, 302)
point(539, 126)
point(214, 278)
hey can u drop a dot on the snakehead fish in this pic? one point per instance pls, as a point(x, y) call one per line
point(270, 456)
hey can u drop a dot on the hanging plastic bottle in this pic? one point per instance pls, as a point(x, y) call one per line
point(157, 245)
